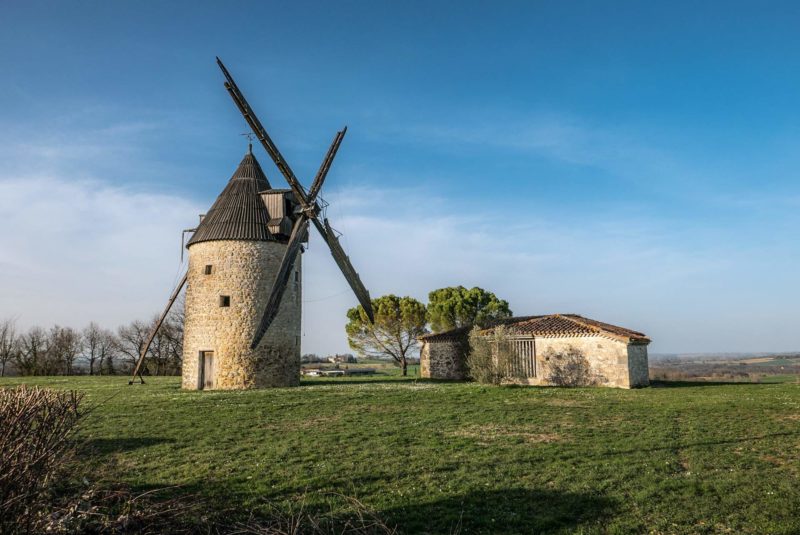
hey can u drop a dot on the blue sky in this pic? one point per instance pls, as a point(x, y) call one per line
point(635, 162)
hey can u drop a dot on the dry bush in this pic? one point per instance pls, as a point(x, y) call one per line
point(36, 426)
point(121, 511)
point(491, 358)
point(569, 367)
point(356, 519)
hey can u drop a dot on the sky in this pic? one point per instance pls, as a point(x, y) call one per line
point(633, 162)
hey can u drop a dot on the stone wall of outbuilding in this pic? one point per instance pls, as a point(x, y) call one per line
point(612, 362)
point(609, 359)
point(245, 271)
point(638, 365)
point(443, 359)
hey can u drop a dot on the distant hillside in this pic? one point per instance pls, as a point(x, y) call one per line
point(720, 356)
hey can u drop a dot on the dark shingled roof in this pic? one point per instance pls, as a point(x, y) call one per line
point(238, 213)
point(553, 325)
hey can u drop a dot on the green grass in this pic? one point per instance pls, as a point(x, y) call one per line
point(785, 378)
point(428, 457)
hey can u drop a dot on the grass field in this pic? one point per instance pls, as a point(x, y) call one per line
point(439, 458)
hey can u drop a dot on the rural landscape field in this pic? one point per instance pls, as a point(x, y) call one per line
point(399, 268)
point(430, 457)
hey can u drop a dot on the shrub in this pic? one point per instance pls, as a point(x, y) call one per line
point(35, 429)
point(569, 367)
point(491, 358)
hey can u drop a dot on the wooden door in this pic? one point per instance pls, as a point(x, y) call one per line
point(206, 365)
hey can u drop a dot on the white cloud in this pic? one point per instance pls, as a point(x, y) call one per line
point(78, 251)
point(74, 248)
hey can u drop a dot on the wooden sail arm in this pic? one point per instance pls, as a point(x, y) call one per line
point(146, 346)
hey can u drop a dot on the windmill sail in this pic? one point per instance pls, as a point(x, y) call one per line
point(308, 206)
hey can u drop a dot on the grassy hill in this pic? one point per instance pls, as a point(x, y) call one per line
point(437, 458)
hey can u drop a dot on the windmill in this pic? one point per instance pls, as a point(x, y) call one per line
point(249, 245)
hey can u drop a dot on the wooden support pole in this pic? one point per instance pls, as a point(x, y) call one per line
point(146, 347)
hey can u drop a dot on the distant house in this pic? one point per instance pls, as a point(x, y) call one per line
point(346, 358)
point(616, 356)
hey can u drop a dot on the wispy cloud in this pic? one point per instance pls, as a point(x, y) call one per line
point(79, 246)
point(77, 251)
point(620, 269)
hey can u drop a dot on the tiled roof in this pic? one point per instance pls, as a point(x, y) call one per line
point(553, 325)
point(238, 213)
point(454, 334)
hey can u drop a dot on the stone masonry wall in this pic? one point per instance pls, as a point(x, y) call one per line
point(612, 362)
point(607, 358)
point(443, 360)
point(638, 365)
point(244, 271)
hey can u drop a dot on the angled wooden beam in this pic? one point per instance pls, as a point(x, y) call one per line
point(146, 347)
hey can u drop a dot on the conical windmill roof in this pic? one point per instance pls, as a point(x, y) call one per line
point(238, 213)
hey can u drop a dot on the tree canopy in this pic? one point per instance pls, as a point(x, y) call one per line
point(456, 306)
point(398, 323)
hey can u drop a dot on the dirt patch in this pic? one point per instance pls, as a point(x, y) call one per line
point(776, 461)
point(487, 434)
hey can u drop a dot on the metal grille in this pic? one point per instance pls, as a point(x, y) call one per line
point(525, 363)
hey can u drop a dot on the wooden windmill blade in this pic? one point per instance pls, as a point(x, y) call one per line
point(326, 165)
point(329, 236)
point(299, 232)
point(308, 205)
point(347, 269)
point(263, 137)
point(151, 337)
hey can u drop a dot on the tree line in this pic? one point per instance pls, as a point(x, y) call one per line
point(93, 350)
point(400, 321)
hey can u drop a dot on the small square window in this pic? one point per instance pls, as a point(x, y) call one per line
point(296, 276)
point(208, 269)
point(224, 300)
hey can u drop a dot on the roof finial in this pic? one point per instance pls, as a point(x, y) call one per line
point(250, 137)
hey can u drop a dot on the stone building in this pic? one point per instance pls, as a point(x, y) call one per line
point(616, 356)
point(234, 257)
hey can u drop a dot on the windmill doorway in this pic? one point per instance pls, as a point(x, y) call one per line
point(205, 377)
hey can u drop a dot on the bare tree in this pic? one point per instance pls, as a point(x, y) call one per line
point(64, 349)
point(95, 347)
point(165, 354)
point(130, 340)
point(31, 358)
point(8, 343)
point(176, 319)
point(107, 352)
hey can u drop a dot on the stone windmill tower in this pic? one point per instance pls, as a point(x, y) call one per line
point(243, 296)
point(233, 257)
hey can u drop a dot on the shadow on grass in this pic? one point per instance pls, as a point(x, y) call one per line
point(704, 444)
point(345, 381)
point(502, 511)
point(105, 446)
point(702, 384)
